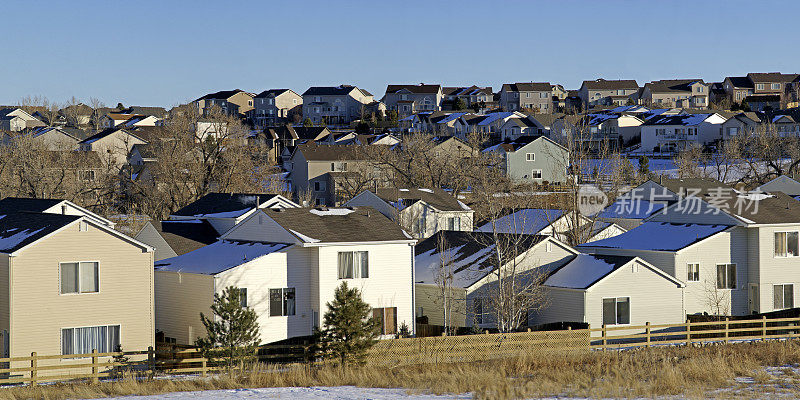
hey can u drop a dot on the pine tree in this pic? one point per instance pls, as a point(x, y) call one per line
point(349, 331)
point(232, 330)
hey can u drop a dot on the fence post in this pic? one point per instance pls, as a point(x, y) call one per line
point(95, 367)
point(647, 332)
point(204, 365)
point(688, 332)
point(727, 326)
point(763, 327)
point(151, 361)
point(605, 340)
point(33, 368)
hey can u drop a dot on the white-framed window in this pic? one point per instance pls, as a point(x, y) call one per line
point(620, 92)
point(317, 98)
point(453, 223)
point(726, 276)
point(786, 244)
point(83, 340)
point(243, 297)
point(530, 156)
point(536, 174)
point(617, 311)
point(281, 302)
point(760, 86)
point(733, 131)
point(79, 277)
point(548, 247)
point(543, 95)
point(783, 296)
point(776, 86)
point(87, 175)
point(693, 272)
point(353, 264)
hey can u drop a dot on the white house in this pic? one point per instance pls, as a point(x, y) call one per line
point(552, 222)
point(675, 132)
point(224, 210)
point(422, 211)
point(289, 261)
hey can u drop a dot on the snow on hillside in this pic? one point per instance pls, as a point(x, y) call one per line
point(311, 393)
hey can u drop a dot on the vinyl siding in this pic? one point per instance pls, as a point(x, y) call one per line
point(259, 227)
point(563, 305)
point(5, 300)
point(179, 299)
point(773, 270)
point(150, 236)
point(369, 199)
point(39, 311)
point(429, 300)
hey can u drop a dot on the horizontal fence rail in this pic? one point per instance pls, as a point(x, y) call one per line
point(172, 359)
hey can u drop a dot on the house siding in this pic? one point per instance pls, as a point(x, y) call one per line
point(429, 303)
point(150, 236)
point(179, 300)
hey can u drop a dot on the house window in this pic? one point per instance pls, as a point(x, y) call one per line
point(760, 86)
point(617, 311)
point(548, 247)
point(776, 86)
point(527, 95)
point(86, 175)
point(353, 264)
point(281, 302)
point(783, 296)
point(726, 276)
point(733, 131)
point(543, 95)
point(621, 92)
point(693, 272)
point(536, 174)
point(454, 224)
point(386, 319)
point(104, 339)
point(319, 186)
point(530, 157)
point(786, 244)
point(79, 277)
point(477, 310)
point(243, 297)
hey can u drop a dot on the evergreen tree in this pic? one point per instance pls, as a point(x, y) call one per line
point(232, 330)
point(644, 167)
point(348, 330)
point(459, 104)
point(307, 123)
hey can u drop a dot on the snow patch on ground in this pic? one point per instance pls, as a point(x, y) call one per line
point(336, 392)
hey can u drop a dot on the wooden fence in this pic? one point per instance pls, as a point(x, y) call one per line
point(171, 359)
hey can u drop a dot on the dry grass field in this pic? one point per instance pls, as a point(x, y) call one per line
point(722, 371)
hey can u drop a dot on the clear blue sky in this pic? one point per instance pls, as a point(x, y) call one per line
point(166, 52)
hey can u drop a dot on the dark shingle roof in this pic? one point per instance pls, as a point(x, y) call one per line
point(186, 236)
point(216, 203)
point(272, 93)
point(21, 229)
point(419, 89)
point(340, 90)
point(352, 224)
point(331, 152)
point(438, 198)
point(222, 94)
point(741, 82)
point(527, 87)
point(11, 205)
point(603, 84)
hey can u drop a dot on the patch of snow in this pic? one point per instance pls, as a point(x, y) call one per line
point(465, 267)
point(310, 393)
point(11, 241)
point(224, 214)
point(529, 221)
point(579, 273)
point(463, 206)
point(331, 211)
point(304, 237)
point(406, 234)
point(659, 236)
point(218, 257)
point(426, 190)
point(403, 190)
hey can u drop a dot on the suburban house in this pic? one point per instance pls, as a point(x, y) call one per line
point(325, 171)
point(176, 237)
point(288, 262)
point(603, 92)
point(734, 249)
point(54, 266)
point(113, 145)
point(742, 124)
point(557, 223)
point(409, 99)
point(533, 159)
point(530, 96)
point(676, 132)
point(10, 205)
point(470, 258)
point(607, 290)
point(224, 210)
point(516, 127)
point(275, 106)
point(17, 119)
point(52, 138)
point(231, 102)
point(335, 105)
point(783, 184)
point(478, 99)
point(112, 120)
point(423, 212)
point(737, 88)
point(685, 93)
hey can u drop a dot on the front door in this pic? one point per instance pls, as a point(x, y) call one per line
point(752, 298)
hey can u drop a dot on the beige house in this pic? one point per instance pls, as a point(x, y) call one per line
point(423, 212)
point(409, 99)
point(530, 96)
point(289, 262)
point(17, 119)
point(72, 285)
point(113, 145)
point(602, 92)
point(684, 93)
point(335, 105)
point(275, 106)
point(231, 102)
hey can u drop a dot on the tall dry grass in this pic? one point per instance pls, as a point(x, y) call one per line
point(694, 372)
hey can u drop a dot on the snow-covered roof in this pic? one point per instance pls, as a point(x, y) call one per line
point(584, 270)
point(632, 208)
point(679, 120)
point(493, 117)
point(597, 119)
point(218, 257)
point(528, 221)
point(658, 236)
